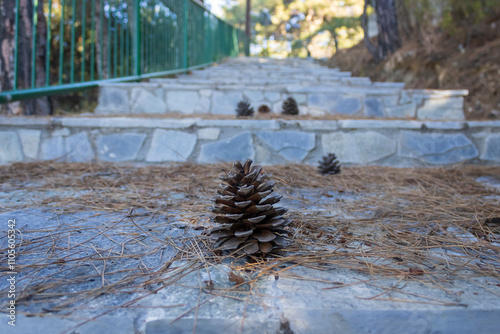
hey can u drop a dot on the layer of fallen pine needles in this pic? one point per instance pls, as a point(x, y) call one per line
point(427, 224)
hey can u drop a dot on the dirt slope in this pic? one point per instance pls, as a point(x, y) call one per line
point(468, 60)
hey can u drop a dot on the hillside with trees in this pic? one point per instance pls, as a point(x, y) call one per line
point(445, 44)
point(448, 44)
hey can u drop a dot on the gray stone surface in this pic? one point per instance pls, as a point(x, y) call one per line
point(484, 124)
point(170, 146)
point(335, 104)
point(24, 121)
point(402, 111)
point(358, 147)
point(292, 145)
point(318, 125)
point(209, 134)
point(113, 99)
point(182, 101)
point(492, 150)
point(374, 107)
point(146, 101)
point(119, 147)
point(203, 106)
point(391, 100)
point(10, 148)
point(86, 143)
point(213, 326)
point(60, 132)
point(405, 98)
point(450, 125)
point(239, 147)
point(123, 122)
point(52, 148)
point(59, 325)
point(301, 299)
point(272, 96)
point(254, 95)
point(300, 98)
point(450, 108)
point(317, 90)
point(240, 123)
point(30, 140)
point(78, 148)
point(378, 124)
point(437, 148)
point(225, 102)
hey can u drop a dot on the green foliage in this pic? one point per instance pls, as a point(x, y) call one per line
point(451, 14)
point(298, 23)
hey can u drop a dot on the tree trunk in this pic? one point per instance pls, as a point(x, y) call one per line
point(40, 106)
point(388, 34)
point(7, 38)
point(335, 39)
point(373, 49)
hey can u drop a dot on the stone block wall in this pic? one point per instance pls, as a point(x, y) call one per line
point(376, 100)
point(147, 140)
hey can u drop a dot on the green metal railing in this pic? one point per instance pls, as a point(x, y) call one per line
point(87, 42)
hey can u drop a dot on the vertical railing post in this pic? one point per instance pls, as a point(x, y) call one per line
point(33, 48)
point(136, 40)
point(16, 44)
point(185, 59)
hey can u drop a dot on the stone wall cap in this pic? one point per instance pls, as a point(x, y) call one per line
point(446, 125)
point(126, 122)
point(335, 89)
point(28, 120)
point(318, 124)
point(389, 84)
point(240, 123)
point(437, 93)
point(379, 124)
point(483, 124)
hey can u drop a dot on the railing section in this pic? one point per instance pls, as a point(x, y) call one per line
point(75, 44)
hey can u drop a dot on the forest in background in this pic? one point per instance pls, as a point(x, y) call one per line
point(435, 44)
point(440, 44)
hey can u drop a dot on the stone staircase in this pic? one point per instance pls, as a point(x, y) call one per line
point(132, 123)
point(317, 89)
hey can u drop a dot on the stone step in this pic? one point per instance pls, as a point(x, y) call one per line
point(318, 91)
point(267, 72)
point(159, 140)
point(383, 101)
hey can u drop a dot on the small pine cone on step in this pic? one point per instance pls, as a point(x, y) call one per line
point(264, 109)
point(290, 107)
point(244, 108)
point(329, 164)
point(245, 208)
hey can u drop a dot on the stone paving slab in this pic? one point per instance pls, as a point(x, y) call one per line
point(150, 140)
point(302, 301)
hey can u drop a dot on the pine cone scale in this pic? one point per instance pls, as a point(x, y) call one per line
point(243, 233)
point(264, 235)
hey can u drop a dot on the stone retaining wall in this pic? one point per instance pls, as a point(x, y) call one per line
point(317, 89)
point(148, 140)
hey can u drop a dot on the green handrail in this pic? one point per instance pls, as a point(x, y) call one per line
point(128, 40)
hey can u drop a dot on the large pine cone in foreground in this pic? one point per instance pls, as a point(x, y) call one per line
point(329, 164)
point(251, 224)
